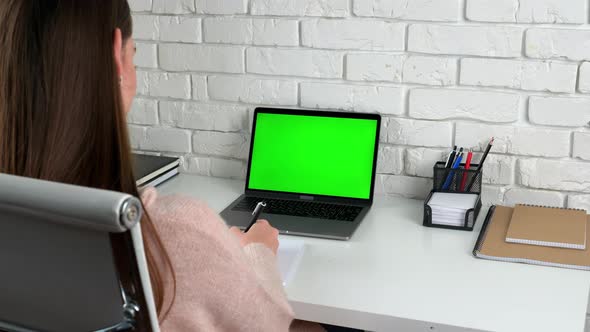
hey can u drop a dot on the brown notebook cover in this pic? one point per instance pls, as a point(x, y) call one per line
point(491, 244)
point(547, 226)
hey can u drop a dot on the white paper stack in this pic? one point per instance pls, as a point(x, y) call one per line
point(450, 208)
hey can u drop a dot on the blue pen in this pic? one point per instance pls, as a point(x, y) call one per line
point(449, 179)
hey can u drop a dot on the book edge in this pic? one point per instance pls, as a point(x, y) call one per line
point(530, 261)
point(563, 245)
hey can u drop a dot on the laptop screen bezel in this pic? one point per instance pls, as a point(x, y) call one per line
point(313, 197)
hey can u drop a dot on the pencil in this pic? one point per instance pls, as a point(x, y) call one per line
point(480, 166)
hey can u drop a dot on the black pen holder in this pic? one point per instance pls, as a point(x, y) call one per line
point(457, 181)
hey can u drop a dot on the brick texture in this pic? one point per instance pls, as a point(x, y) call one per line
point(500, 41)
point(440, 73)
point(527, 11)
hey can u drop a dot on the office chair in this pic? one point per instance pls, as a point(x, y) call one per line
point(57, 267)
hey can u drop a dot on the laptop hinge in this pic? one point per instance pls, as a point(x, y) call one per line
point(325, 199)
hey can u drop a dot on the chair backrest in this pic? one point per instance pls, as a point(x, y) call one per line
point(57, 267)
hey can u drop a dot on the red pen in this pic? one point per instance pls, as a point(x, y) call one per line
point(467, 166)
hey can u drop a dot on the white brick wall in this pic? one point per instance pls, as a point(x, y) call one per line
point(174, 85)
point(416, 132)
point(228, 168)
point(559, 111)
point(498, 169)
point(391, 160)
point(405, 186)
point(557, 175)
point(436, 104)
point(441, 73)
point(582, 145)
point(141, 5)
point(166, 139)
point(143, 112)
point(147, 55)
point(361, 98)
point(494, 41)
point(524, 141)
point(515, 196)
point(214, 143)
point(252, 90)
point(221, 7)
point(180, 29)
point(423, 10)
point(527, 11)
point(430, 70)
point(584, 82)
point(173, 6)
point(545, 43)
point(420, 161)
point(399, 68)
point(199, 83)
point(146, 27)
point(226, 118)
point(374, 67)
point(288, 62)
point(136, 135)
point(328, 8)
point(228, 30)
point(579, 202)
point(493, 194)
point(275, 32)
point(206, 58)
point(356, 35)
point(515, 74)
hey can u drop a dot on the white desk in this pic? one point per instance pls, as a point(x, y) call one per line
point(396, 275)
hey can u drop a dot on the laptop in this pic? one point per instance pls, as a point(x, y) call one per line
point(314, 169)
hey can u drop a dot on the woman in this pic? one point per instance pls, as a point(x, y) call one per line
point(67, 81)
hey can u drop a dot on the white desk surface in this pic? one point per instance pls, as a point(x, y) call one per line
point(396, 275)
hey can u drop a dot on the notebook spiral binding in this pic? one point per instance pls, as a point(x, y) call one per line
point(483, 233)
point(551, 207)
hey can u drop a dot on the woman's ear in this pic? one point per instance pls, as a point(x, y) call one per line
point(118, 51)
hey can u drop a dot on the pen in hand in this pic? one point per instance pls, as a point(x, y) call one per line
point(255, 214)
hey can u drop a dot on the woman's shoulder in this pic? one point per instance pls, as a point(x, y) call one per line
point(179, 209)
point(152, 199)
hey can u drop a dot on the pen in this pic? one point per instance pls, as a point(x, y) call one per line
point(255, 214)
point(483, 159)
point(451, 158)
point(450, 177)
point(459, 154)
point(467, 166)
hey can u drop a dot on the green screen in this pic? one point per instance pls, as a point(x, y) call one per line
point(313, 155)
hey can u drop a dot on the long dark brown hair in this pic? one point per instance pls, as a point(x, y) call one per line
point(61, 111)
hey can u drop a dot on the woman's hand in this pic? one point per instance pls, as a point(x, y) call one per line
point(260, 232)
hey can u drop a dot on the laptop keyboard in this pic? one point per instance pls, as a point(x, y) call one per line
point(301, 208)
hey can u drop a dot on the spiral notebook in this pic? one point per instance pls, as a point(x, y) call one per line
point(492, 244)
point(547, 226)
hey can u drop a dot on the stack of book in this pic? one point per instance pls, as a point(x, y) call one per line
point(151, 171)
point(536, 235)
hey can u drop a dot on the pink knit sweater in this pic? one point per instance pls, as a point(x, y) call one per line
point(220, 286)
